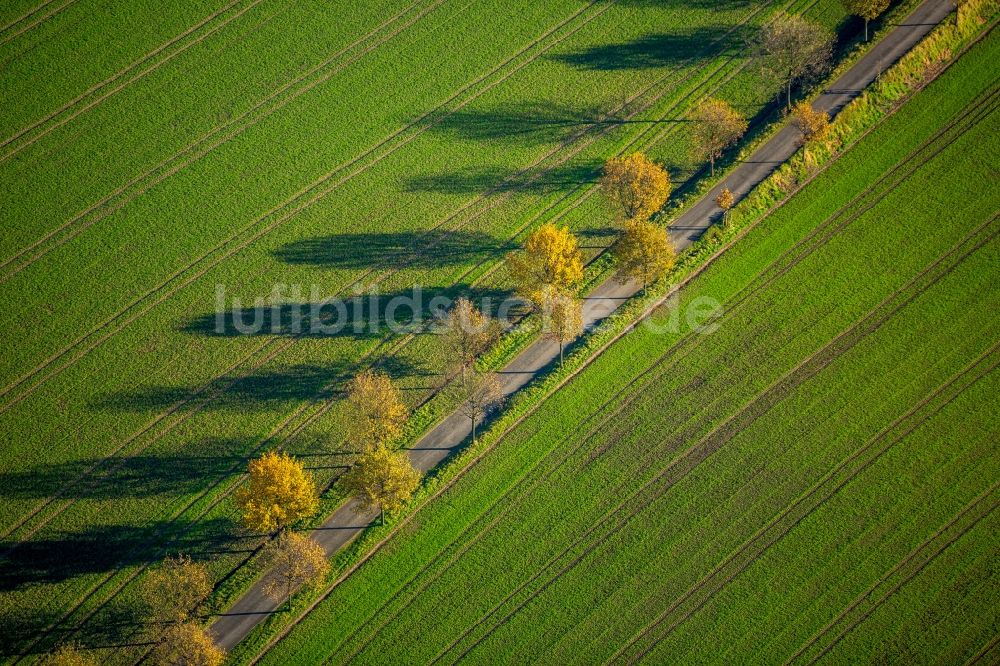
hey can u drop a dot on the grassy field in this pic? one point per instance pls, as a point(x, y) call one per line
point(816, 479)
point(251, 143)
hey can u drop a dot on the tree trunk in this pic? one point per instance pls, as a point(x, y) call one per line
point(866, 30)
point(473, 419)
point(788, 96)
point(711, 161)
point(381, 515)
point(560, 352)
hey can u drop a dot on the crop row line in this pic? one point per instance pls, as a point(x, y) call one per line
point(749, 290)
point(184, 46)
point(836, 479)
point(278, 215)
point(208, 142)
point(679, 467)
point(483, 197)
point(199, 391)
point(421, 124)
point(905, 570)
point(30, 26)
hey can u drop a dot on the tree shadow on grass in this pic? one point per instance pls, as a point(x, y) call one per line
point(489, 179)
point(361, 251)
point(256, 390)
point(661, 49)
point(105, 548)
point(361, 316)
point(532, 123)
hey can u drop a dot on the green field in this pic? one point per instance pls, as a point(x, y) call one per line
point(815, 479)
point(253, 142)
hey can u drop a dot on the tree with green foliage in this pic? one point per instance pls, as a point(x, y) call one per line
point(187, 644)
point(69, 654)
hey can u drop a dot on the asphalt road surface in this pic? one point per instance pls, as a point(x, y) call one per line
point(452, 433)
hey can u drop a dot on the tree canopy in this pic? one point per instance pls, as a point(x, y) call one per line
point(562, 319)
point(278, 493)
point(382, 478)
point(636, 184)
point(814, 125)
point(469, 333)
point(295, 560)
point(478, 394)
point(175, 589)
point(187, 644)
point(868, 10)
point(644, 251)
point(792, 48)
point(551, 258)
point(716, 126)
point(377, 412)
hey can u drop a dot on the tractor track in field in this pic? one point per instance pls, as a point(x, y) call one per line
point(430, 115)
point(712, 442)
point(305, 424)
point(302, 199)
point(4, 40)
point(569, 142)
point(49, 128)
point(743, 296)
point(208, 142)
point(907, 568)
point(984, 653)
point(284, 344)
point(828, 486)
point(28, 14)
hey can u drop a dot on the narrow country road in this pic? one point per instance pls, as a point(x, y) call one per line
point(345, 524)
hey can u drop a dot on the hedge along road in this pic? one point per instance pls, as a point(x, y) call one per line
point(451, 433)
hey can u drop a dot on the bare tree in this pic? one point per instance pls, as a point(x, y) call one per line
point(791, 49)
point(479, 394)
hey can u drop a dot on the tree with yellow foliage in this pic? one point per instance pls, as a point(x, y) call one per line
point(382, 478)
point(187, 644)
point(551, 259)
point(635, 184)
point(725, 201)
point(644, 251)
point(814, 125)
point(716, 126)
point(468, 333)
point(377, 411)
point(562, 319)
point(295, 560)
point(68, 654)
point(175, 589)
point(278, 493)
point(868, 10)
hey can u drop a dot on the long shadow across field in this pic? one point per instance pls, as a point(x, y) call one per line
point(360, 251)
point(364, 315)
